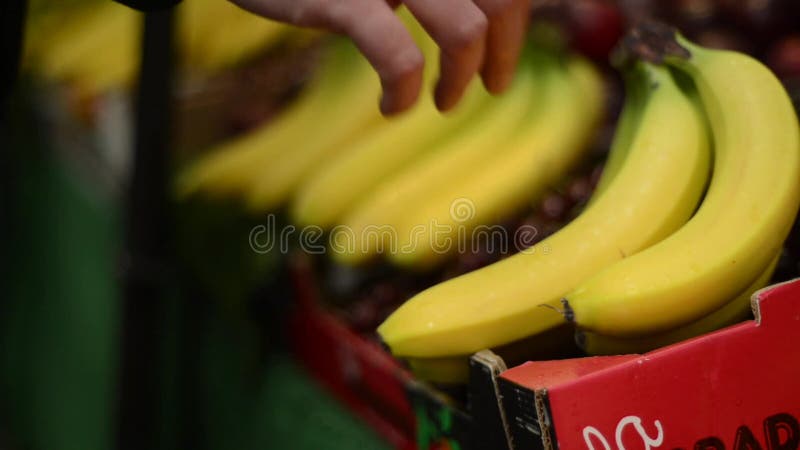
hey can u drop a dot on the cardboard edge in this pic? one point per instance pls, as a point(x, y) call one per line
point(494, 365)
point(548, 432)
point(761, 294)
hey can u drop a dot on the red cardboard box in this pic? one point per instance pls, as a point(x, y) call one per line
point(732, 389)
point(736, 388)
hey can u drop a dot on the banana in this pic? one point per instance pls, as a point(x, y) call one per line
point(746, 214)
point(732, 312)
point(228, 169)
point(354, 242)
point(518, 170)
point(652, 195)
point(338, 186)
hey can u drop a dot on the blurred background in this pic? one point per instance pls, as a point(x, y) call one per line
point(133, 315)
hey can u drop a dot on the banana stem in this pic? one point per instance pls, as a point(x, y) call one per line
point(650, 41)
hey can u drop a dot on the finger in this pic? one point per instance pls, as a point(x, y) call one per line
point(459, 28)
point(508, 20)
point(386, 43)
point(376, 31)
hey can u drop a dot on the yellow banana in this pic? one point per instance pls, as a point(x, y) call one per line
point(338, 186)
point(732, 312)
point(746, 214)
point(354, 242)
point(517, 171)
point(654, 193)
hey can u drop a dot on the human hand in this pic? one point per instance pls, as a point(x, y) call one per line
point(474, 36)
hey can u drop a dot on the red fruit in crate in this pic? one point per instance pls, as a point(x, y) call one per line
point(528, 232)
point(384, 294)
point(580, 189)
point(784, 57)
point(766, 18)
point(723, 39)
point(365, 315)
point(690, 15)
point(638, 10)
point(249, 116)
point(473, 259)
point(595, 26)
point(554, 207)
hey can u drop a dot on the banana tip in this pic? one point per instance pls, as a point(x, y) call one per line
point(383, 344)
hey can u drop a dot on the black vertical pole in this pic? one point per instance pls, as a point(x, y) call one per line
point(147, 258)
point(12, 19)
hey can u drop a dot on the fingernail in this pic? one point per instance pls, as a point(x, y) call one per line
point(498, 82)
point(388, 104)
point(440, 98)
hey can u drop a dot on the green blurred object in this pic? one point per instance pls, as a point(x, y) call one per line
point(283, 422)
point(59, 333)
point(60, 318)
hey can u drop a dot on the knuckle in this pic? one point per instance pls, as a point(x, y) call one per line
point(403, 64)
point(467, 32)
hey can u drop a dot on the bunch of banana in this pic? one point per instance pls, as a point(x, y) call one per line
point(741, 224)
point(336, 187)
point(653, 193)
point(465, 153)
point(516, 172)
point(266, 162)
